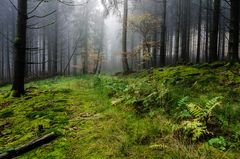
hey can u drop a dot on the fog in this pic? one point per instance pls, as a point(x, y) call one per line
point(73, 37)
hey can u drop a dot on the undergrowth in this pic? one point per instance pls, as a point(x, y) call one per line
point(176, 112)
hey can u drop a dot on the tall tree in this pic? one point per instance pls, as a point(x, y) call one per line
point(44, 51)
point(20, 50)
point(124, 37)
point(8, 57)
point(208, 4)
point(213, 48)
point(185, 31)
point(199, 31)
point(155, 39)
point(85, 55)
point(2, 56)
point(55, 53)
point(177, 35)
point(163, 35)
point(234, 31)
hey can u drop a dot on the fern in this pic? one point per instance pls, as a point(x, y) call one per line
point(181, 111)
point(204, 112)
point(197, 127)
point(183, 115)
point(195, 110)
point(211, 105)
point(183, 101)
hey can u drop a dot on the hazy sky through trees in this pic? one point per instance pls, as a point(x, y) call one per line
point(74, 37)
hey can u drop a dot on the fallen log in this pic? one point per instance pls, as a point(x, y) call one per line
point(28, 147)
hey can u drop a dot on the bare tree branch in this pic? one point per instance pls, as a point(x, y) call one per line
point(43, 16)
point(36, 7)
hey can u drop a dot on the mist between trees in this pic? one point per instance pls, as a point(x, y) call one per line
point(42, 38)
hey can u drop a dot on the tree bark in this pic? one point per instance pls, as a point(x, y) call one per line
point(68, 52)
point(199, 31)
point(8, 67)
point(2, 56)
point(234, 31)
point(214, 32)
point(188, 45)
point(124, 38)
point(86, 47)
point(223, 43)
point(20, 50)
point(55, 53)
point(207, 31)
point(154, 54)
point(28, 147)
point(185, 32)
point(177, 35)
point(163, 35)
point(44, 52)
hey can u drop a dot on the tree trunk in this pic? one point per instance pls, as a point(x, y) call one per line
point(163, 35)
point(169, 61)
point(68, 53)
point(188, 45)
point(185, 31)
point(177, 35)
point(61, 58)
point(44, 52)
point(8, 57)
point(234, 31)
point(207, 31)
point(85, 53)
point(2, 56)
point(20, 50)
point(214, 32)
point(124, 38)
point(223, 43)
point(55, 53)
point(154, 56)
point(199, 31)
point(49, 53)
point(28, 147)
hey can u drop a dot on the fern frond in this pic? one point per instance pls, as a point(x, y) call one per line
point(213, 102)
point(183, 101)
point(211, 105)
point(195, 111)
point(195, 128)
point(184, 115)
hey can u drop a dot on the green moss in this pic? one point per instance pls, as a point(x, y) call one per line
point(80, 110)
point(6, 113)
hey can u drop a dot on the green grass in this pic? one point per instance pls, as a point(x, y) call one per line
point(136, 117)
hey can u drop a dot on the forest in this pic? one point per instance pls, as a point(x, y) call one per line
point(119, 79)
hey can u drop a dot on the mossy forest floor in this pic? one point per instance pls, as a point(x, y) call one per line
point(176, 112)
